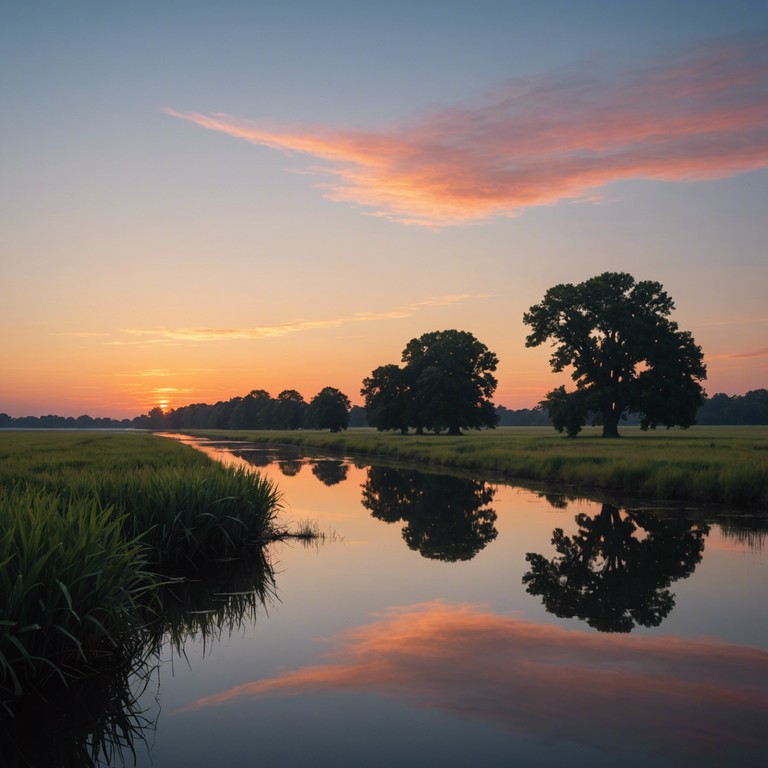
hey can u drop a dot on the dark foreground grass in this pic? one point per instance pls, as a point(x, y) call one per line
point(92, 525)
point(721, 465)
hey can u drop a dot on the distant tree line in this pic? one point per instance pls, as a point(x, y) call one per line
point(329, 409)
point(65, 422)
point(720, 409)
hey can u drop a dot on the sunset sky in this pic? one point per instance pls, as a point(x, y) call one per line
point(201, 199)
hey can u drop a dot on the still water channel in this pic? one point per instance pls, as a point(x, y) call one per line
point(440, 623)
point(451, 621)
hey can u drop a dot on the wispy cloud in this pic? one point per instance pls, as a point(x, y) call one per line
point(185, 335)
point(82, 334)
point(754, 353)
point(671, 695)
point(540, 140)
point(749, 355)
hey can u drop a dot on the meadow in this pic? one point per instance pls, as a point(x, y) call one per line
point(717, 465)
point(96, 528)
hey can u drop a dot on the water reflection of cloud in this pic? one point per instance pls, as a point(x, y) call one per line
point(698, 698)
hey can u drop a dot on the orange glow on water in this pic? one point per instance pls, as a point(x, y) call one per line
point(542, 678)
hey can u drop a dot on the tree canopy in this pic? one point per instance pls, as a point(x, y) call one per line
point(329, 409)
point(445, 384)
point(625, 354)
point(387, 398)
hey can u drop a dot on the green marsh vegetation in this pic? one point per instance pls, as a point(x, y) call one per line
point(181, 503)
point(719, 465)
point(110, 543)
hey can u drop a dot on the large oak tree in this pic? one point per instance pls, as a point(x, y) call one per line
point(625, 353)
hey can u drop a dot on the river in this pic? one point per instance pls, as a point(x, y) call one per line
point(443, 620)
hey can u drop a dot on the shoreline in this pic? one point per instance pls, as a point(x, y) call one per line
point(707, 465)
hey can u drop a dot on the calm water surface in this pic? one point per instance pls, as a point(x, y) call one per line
point(445, 621)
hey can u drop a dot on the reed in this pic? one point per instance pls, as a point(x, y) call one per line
point(181, 503)
point(90, 527)
point(70, 581)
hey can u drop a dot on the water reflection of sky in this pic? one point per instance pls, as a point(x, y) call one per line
point(680, 697)
point(374, 653)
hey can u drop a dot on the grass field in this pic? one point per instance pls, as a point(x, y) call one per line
point(722, 465)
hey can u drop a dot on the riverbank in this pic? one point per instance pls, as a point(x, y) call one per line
point(718, 465)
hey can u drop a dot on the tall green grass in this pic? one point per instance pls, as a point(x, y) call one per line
point(721, 465)
point(92, 525)
point(182, 504)
point(70, 582)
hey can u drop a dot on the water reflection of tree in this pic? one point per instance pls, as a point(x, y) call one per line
point(100, 718)
point(329, 471)
point(447, 518)
point(256, 458)
point(614, 573)
point(290, 467)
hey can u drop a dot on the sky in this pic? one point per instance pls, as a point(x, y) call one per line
point(202, 199)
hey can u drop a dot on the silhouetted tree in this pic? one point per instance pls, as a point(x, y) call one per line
point(329, 409)
point(358, 417)
point(567, 410)
point(388, 398)
point(451, 378)
point(445, 384)
point(625, 352)
point(254, 411)
point(155, 419)
point(447, 518)
point(611, 578)
point(289, 410)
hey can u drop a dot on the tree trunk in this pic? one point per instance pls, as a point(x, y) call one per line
point(454, 431)
point(611, 416)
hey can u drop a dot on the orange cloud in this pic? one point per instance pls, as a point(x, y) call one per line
point(541, 140)
point(671, 695)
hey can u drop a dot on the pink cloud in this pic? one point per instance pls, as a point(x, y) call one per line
point(542, 140)
point(671, 695)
